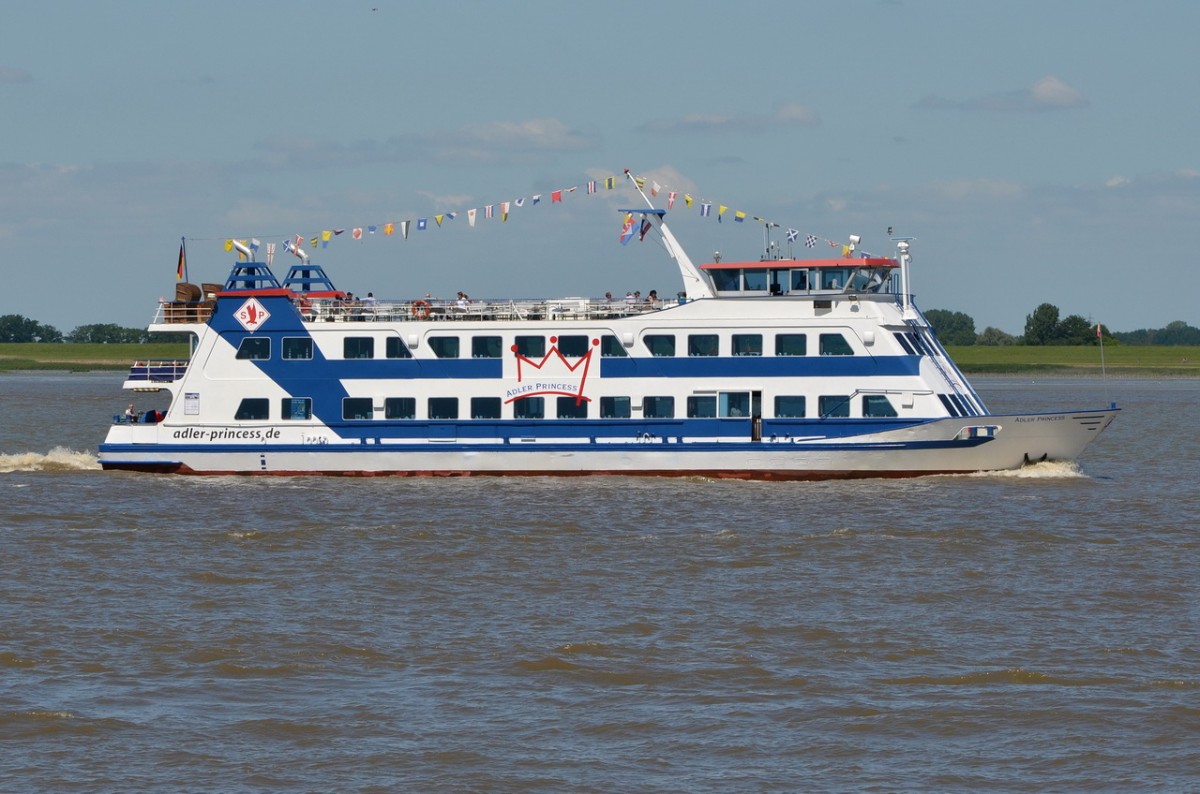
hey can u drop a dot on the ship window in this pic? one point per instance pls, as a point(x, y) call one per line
point(789, 406)
point(443, 407)
point(703, 345)
point(531, 346)
point(799, 280)
point(735, 404)
point(833, 279)
point(572, 408)
point(610, 346)
point(394, 347)
point(725, 280)
point(791, 345)
point(297, 347)
point(357, 408)
point(253, 408)
point(904, 344)
point(660, 344)
point(834, 405)
point(658, 407)
point(573, 346)
point(918, 344)
point(530, 408)
point(296, 408)
point(614, 408)
point(358, 347)
point(485, 407)
point(255, 348)
point(444, 346)
point(877, 405)
point(755, 279)
point(701, 407)
point(485, 347)
point(747, 344)
point(835, 345)
point(400, 408)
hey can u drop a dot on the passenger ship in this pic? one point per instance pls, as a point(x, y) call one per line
point(787, 369)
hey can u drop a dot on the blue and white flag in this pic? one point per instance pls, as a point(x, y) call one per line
point(793, 234)
point(810, 241)
point(705, 210)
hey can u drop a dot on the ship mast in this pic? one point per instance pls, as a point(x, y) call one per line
point(695, 284)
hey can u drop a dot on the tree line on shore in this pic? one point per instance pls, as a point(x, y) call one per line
point(15, 328)
point(1042, 327)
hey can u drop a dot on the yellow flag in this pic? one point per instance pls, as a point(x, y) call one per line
point(438, 218)
point(228, 246)
point(389, 229)
point(687, 199)
point(326, 236)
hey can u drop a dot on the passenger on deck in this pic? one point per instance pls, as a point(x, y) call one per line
point(130, 415)
point(652, 298)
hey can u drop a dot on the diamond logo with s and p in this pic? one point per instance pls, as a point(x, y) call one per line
point(252, 315)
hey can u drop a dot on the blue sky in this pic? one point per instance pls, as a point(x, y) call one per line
point(1037, 151)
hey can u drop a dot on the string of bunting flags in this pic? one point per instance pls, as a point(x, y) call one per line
point(248, 248)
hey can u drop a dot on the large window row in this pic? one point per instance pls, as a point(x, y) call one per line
point(571, 346)
point(726, 405)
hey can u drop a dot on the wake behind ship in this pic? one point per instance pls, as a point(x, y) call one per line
point(773, 369)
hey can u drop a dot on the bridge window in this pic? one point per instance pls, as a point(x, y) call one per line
point(703, 345)
point(400, 408)
point(485, 347)
point(835, 345)
point(444, 346)
point(297, 347)
point(789, 406)
point(443, 407)
point(791, 345)
point(255, 348)
point(253, 408)
point(799, 281)
point(747, 344)
point(394, 347)
point(614, 408)
point(702, 406)
point(660, 344)
point(726, 280)
point(485, 407)
point(358, 347)
point(833, 279)
point(658, 407)
point(571, 408)
point(833, 405)
point(295, 408)
point(530, 408)
point(357, 408)
point(531, 346)
point(755, 279)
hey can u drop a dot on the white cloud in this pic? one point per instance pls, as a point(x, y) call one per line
point(1048, 93)
point(12, 75)
point(789, 114)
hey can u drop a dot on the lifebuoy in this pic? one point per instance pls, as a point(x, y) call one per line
point(420, 310)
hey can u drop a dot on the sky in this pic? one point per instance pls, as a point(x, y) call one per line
point(1035, 151)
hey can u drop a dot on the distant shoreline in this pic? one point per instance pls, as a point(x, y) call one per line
point(1122, 361)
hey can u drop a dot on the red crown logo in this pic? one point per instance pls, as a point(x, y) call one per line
point(555, 362)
